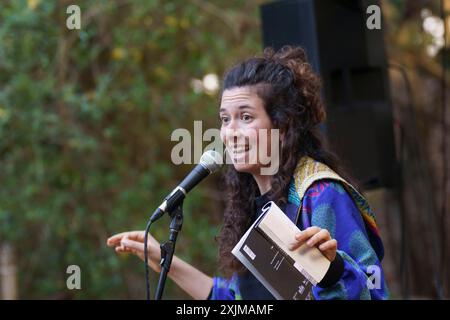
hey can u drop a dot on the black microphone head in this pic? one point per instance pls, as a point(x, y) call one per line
point(211, 160)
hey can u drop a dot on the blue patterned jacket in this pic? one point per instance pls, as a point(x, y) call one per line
point(319, 197)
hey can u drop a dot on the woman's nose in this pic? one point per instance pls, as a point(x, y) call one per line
point(231, 135)
point(234, 124)
point(232, 129)
point(235, 136)
point(235, 132)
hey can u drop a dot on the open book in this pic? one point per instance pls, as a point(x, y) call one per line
point(264, 251)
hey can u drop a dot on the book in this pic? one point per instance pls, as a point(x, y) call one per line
point(264, 251)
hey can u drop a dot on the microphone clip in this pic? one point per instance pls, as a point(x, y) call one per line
point(170, 203)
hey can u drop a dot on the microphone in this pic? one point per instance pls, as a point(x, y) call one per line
point(209, 163)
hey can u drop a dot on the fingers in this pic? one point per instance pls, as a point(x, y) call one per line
point(295, 245)
point(321, 236)
point(315, 236)
point(328, 245)
point(303, 236)
point(132, 245)
point(307, 233)
point(122, 249)
point(115, 239)
point(312, 236)
point(137, 235)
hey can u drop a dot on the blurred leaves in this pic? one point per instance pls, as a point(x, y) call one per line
point(85, 124)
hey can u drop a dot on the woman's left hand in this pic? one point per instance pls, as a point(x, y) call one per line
point(315, 236)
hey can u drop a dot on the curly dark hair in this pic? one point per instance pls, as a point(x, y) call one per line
point(291, 93)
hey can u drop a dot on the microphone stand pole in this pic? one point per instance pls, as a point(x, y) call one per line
point(168, 248)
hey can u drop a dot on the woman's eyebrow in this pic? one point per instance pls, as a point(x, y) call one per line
point(245, 106)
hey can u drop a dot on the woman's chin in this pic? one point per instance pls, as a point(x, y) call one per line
point(245, 167)
point(244, 162)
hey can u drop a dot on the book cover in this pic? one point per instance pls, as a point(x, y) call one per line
point(264, 251)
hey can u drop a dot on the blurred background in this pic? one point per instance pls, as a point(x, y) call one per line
point(86, 118)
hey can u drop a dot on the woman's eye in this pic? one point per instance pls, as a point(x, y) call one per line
point(246, 117)
point(224, 119)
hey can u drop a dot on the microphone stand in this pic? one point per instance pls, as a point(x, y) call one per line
point(168, 248)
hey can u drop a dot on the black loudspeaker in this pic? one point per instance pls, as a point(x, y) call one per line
point(352, 62)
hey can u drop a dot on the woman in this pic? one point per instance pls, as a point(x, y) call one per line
point(279, 91)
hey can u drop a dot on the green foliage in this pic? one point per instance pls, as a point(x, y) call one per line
point(85, 123)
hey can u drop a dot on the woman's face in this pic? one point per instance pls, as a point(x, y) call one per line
point(243, 117)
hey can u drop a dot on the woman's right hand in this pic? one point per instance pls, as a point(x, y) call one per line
point(133, 242)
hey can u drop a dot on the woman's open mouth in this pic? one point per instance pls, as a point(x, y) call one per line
point(238, 150)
